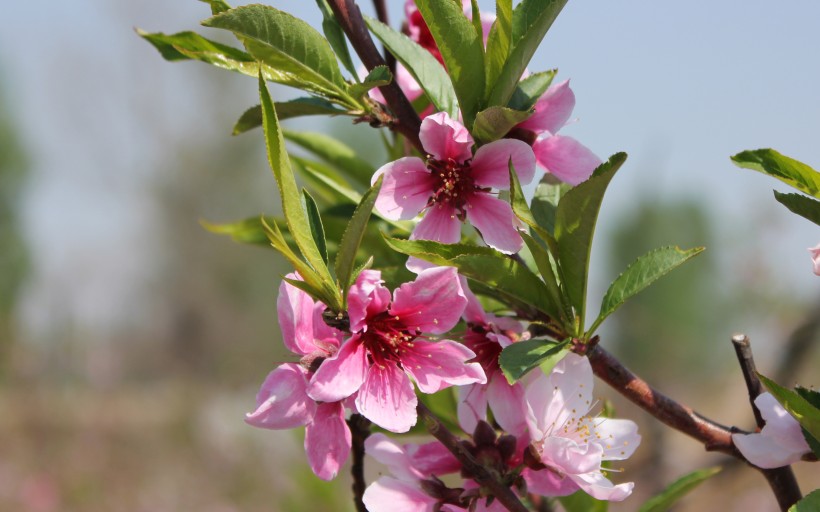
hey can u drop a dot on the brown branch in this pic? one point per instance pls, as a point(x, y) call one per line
point(381, 13)
point(359, 430)
point(482, 475)
point(406, 119)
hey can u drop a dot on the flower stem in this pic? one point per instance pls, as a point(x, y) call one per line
point(359, 430)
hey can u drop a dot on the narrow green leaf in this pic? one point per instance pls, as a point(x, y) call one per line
point(217, 6)
point(575, 221)
point(316, 227)
point(427, 71)
point(247, 231)
point(505, 275)
point(678, 489)
point(813, 397)
point(378, 76)
point(334, 152)
point(528, 90)
point(522, 356)
point(545, 203)
point(810, 503)
point(295, 215)
point(493, 123)
point(499, 40)
point(336, 37)
point(788, 170)
point(252, 118)
point(803, 411)
point(804, 206)
point(583, 502)
point(352, 238)
point(640, 274)
point(530, 21)
point(462, 50)
point(475, 18)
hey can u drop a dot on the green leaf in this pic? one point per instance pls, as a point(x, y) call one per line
point(378, 76)
point(505, 275)
point(316, 227)
point(462, 50)
point(192, 46)
point(247, 231)
point(284, 43)
point(545, 203)
point(336, 37)
point(522, 356)
point(427, 71)
point(334, 152)
point(575, 221)
point(352, 238)
point(252, 118)
point(583, 502)
point(803, 411)
point(810, 503)
point(295, 215)
point(217, 6)
point(499, 40)
point(528, 90)
point(813, 397)
point(495, 122)
point(640, 274)
point(530, 21)
point(678, 489)
point(788, 170)
point(801, 205)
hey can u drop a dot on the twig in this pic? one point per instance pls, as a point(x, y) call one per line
point(406, 119)
point(359, 430)
point(381, 13)
point(482, 475)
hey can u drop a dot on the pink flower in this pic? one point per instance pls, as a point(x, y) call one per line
point(570, 444)
point(815, 258)
point(454, 185)
point(779, 443)
point(564, 157)
point(388, 347)
point(487, 335)
point(420, 33)
point(283, 402)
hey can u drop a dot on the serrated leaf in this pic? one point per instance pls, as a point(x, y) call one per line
point(427, 71)
point(378, 76)
point(640, 274)
point(507, 276)
point(352, 238)
point(545, 204)
point(803, 411)
point(531, 20)
point(678, 489)
point(462, 50)
point(520, 357)
point(334, 152)
point(336, 37)
point(788, 170)
point(295, 215)
point(583, 502)
point(499, 40)
point(804, 206)
point(252, 118)
point(528, 90)
point(217, 6)
point(575, 221)
point(809, 503)
point(247, 231)
point(493, 123)
point(315, 221)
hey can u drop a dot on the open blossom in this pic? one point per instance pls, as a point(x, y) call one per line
point(389, 347)
point(569, 443)
point(564, 157)
point(283, 402)
point(815, 258)
point(454, 185)
point(779, 443)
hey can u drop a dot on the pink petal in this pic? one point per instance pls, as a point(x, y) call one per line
point(387, 398)
point(494, 219)
point(507, 404)
point(432, 303)
point(406, 188)
point(439, 224)
point(570, 457)
point(547, 483)
point(390, 495)
point(295, 309)
point(394, 456)
point(815, 258)
point(432, 459)
point(538, 398)
point(490, 167)
point(571, 384)
point(325, 338)
point(282, 401)
point(552, 110)
point(765, 451)
point(779, 423)
point(445, 138)
point(472, 406)
point(327, 440)
point(781, 441)
point(599, 487)
point(439, 365)
point(619, 438)
point(474, 312)
point(366, 296)
point(565, 158)
point(340, 376)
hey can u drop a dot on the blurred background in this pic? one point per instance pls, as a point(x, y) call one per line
point(132, 341)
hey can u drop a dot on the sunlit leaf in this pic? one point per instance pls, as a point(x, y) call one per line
point(316, 227)
point(810, 503)
point(334, 152)
point(499, 40)
point(801, 205)
point(336, 37)
point(788, 170)
point(803, 411)
point(378, 76)
point(529, 89)
point(493, 123)
point(252, 118)
point(522, 356)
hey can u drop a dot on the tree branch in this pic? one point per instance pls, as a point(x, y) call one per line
point(406, 120)
point(359, 430)
point(381, 13)
point(482, 475)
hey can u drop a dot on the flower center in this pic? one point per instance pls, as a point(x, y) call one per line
point(486, 350)
point(453, 183)
point(386, 338)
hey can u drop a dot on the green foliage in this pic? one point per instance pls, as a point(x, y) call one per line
point(461, 48)
point(641, 273)
point(334, 152)
point(678, 489)
point(192, 46)
point(316, 227)
point(528, 90)
point(813, 397)
point(499, 40)
point(809, 503)
point(378, 76)
point(308, 106)
point(217, 6)
point(247, 231)
point(801, 205)
point(788, 170)
point(583, 502)
point(493, 123)
point(336, 37)
point(522, 356)
point(802, 409)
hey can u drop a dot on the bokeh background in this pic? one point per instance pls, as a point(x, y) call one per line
point(132, 341)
